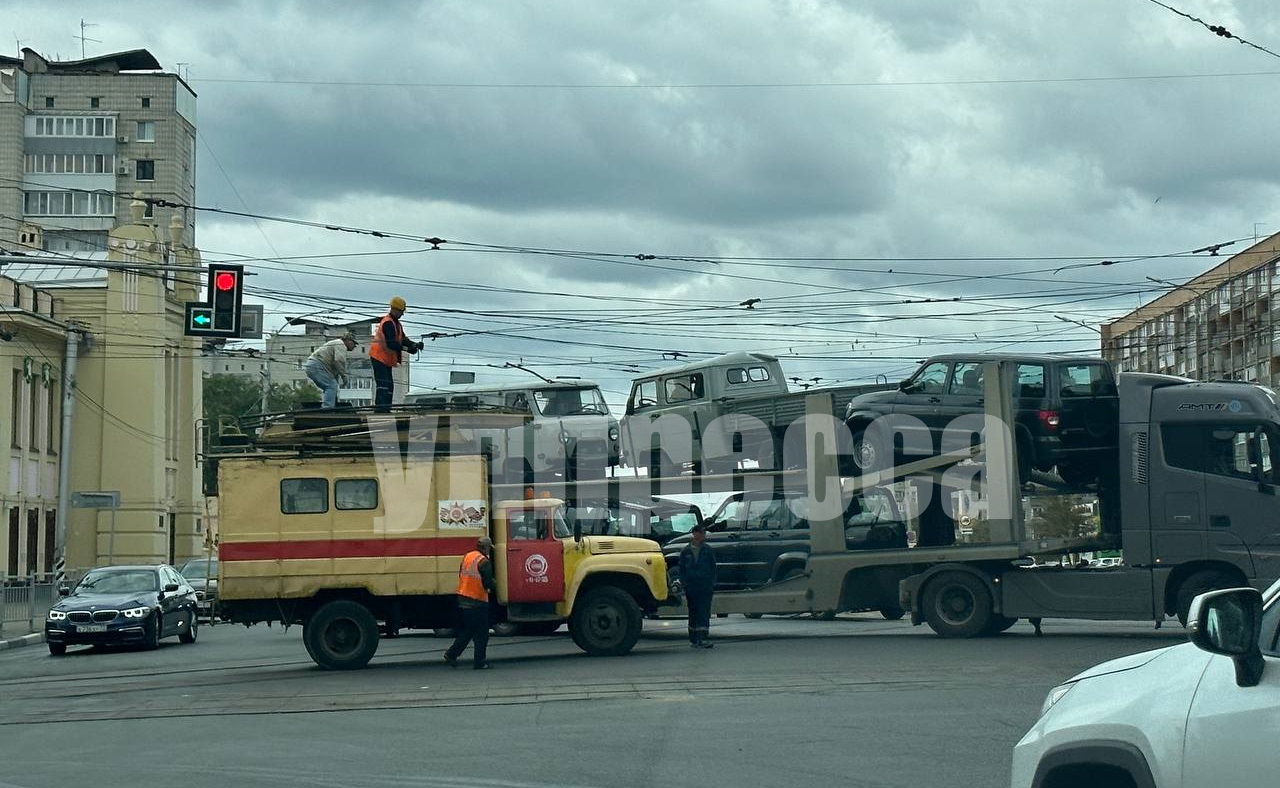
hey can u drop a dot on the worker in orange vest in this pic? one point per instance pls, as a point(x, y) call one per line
point(475, 584)
point(384, 352)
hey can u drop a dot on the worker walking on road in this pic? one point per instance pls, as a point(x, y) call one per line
point(327, 367)
point(384, 352)
point(475, 584)
point(698, 576)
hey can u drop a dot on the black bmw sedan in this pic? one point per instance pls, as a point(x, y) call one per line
point(123, 604)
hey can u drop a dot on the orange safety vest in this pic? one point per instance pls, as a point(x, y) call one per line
point(378, 349)
point(469, 582)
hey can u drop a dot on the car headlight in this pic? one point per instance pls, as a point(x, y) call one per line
point(565, 437)
point(137, 612)
point(57, 615)
point(613, 433)
point(1056, 694)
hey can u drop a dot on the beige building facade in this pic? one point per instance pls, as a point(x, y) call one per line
point(1222, 324)
point(74, 135)
point(135, 405)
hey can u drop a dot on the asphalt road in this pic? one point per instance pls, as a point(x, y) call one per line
point(853, 702)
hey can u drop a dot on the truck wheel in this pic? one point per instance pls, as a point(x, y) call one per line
point(606, 622)
point(1198, 583)
point(504, 629)
point(957, 605)
point(341, 635)
point(869, 455)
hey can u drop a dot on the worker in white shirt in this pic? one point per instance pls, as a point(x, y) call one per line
point(327, 367)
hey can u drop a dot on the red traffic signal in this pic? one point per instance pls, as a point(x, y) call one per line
point(224, 280)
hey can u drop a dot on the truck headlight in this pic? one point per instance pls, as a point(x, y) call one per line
point(613, 433)
point(57, 615)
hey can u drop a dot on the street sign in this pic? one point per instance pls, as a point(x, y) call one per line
point(106, 499)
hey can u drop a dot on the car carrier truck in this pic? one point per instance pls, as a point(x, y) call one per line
point(1190, 498)
point(353, 523)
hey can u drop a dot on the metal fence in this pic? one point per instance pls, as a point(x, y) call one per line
point(24, 601)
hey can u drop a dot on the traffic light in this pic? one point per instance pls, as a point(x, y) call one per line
point(226, 292)
point(219, 315)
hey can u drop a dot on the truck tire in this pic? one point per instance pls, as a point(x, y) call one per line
point(1198, 583)
point(957, 605)
point(341, 635)
point(868, 455)
point(606, 622)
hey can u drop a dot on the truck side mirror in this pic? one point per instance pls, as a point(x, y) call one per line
point(1228, 622)
point(577, 531)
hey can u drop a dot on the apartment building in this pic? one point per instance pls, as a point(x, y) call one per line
point(134, 405)
point(1223, 324)
point(77, 134)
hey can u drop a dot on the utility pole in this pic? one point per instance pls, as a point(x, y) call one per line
point(74, 332)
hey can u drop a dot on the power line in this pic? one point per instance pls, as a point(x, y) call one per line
point(1216, 29)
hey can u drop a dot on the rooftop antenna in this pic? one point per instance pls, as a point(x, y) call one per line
point(17, 42)
point(83, 38)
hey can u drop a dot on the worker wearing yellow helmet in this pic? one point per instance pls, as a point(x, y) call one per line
point(384, 352)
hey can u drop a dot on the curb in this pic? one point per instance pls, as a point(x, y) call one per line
point(25, 640)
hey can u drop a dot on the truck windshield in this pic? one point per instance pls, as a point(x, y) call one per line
point(570, 402)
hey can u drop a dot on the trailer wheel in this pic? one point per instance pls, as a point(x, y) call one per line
point(342, 635)
point(1198, 583)
point(606, 622)
point(957, 605)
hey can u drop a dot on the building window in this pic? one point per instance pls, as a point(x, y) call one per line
point(145, 170)
point(146, 102)
point(94, 102)
point(78, 126)
point(48, 102)
point(146, 131)
point(69, 163)
point(68, 203)
point(15, 424)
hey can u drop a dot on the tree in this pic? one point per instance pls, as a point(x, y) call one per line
point(1063, 516)
point(228, 398)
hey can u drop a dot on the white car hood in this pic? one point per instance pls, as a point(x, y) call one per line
point(1128, 663)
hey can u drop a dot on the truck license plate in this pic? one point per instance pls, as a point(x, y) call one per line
point(91, 628)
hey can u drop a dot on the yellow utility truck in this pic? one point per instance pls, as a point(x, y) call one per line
point(349, 543)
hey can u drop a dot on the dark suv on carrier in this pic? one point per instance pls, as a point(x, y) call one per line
point(1066, 411)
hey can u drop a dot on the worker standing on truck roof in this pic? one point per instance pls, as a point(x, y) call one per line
point(384, 352)
point(475, 584)
point(327, 367)
point(698, 576)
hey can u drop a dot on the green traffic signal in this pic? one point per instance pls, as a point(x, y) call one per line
point(201, 320)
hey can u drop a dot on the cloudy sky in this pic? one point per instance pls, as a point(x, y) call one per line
point(891, 178)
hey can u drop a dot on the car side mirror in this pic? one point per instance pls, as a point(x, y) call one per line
point(904, 385)
point(1228, 622)
point(171, 587)
point(64, 589)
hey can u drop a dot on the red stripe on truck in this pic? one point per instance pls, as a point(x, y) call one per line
point(345, 548)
